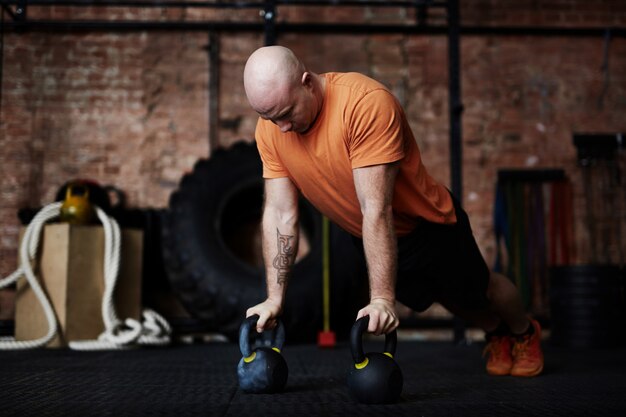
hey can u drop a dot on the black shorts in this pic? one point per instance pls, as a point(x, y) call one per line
point(441, 263)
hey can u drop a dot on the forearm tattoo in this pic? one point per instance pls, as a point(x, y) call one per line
point(284, 259)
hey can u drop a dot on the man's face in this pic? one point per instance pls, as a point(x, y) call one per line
point(294, 111)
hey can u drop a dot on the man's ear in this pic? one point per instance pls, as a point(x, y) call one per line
point(307, 79)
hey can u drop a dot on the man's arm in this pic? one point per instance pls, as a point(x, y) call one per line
point(280, 245)
point(374, 187)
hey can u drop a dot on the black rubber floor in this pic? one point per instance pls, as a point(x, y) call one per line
point(200, 380)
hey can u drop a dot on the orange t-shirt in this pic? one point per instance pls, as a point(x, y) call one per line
point(360, 124)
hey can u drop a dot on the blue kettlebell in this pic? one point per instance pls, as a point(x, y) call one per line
point(262, 370)
point(374, 378)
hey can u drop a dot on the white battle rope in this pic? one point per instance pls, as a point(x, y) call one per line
point(27, 252)
point(153, 330)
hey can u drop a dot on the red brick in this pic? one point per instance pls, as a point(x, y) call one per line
point(131, 109)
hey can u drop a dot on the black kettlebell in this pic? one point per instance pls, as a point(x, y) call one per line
point(262, 370)
point(374, 378)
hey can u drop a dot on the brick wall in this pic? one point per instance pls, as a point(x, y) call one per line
point(131, 108)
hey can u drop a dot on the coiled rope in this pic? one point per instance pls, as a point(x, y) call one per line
point(153, 330)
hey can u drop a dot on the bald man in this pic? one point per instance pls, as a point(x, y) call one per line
point(343, 141)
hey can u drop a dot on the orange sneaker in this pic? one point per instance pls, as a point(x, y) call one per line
point(527, 354)
point(500, 360)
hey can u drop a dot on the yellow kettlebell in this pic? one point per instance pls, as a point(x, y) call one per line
point(76, 208)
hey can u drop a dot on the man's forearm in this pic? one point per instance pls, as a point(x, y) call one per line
point(280, 245)
point(379, 242)
point(375, 187)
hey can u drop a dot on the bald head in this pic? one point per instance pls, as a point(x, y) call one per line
point(271, 71)
point(281, 90)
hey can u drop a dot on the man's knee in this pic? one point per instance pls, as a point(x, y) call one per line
point(500, 288)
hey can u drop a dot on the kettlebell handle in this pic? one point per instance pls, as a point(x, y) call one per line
point(69, 191)
point(244, 335)
point(356, 340)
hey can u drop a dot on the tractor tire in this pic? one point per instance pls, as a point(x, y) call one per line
point(212, 252)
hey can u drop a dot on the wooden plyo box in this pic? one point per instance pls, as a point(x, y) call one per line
point(70, 269)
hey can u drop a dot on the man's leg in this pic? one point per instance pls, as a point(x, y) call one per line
point(513, 340)
point(506, 303)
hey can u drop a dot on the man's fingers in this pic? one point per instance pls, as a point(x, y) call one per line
point(270, 324)
point(267, 316)
point(391, 323)
point(380, 323)
point(262, 322)
point(386, 324)
point(373, 324)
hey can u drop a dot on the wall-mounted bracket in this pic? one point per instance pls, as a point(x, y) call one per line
point(269, 17)
point(592, 146)
point(19, 13)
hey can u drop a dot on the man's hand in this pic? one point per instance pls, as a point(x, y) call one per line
point(268, 312)
point(383, 318)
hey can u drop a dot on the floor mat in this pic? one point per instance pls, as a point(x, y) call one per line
point(440, 379)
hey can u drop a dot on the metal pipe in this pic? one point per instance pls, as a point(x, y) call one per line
point(213, 50)
point(455, 107)
point(269, 16)
point(139, 3)
point(125, 26)
point(229, 5)
point(340, 28)
point(359, 3)
point(455, 110)
point(104, 25)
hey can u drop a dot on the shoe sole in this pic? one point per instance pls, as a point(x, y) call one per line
point(535, 373)
point(498, 373)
